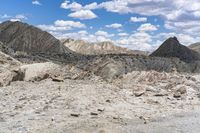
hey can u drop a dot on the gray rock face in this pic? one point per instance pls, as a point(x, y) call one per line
point(25, 38)
point(172, 48)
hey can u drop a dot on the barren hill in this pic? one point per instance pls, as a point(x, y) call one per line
point(172, 48)
point(87, 48)
point(29, 39)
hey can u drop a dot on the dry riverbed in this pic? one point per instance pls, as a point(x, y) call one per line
point(139, 102)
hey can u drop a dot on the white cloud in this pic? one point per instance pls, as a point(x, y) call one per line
point(62, 23)
point(83, 32)
point(104, 34)
point(101, 33)
point(5, 16)
point(138, 19)
point(36, 2)
point(53, 28)
point(171, 11)
point(115, 26)
point(137, 41)
point(91, 6)
point(184, 39)
point(74, 6)
point(122, 34)
point(14, 20)
point(83, 14)
point(147, 27)
point(82, 35)
point(20, 17)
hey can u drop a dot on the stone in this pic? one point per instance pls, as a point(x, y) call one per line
point(182, 90)
point(177, 95)
point(57, 79)
point(75, 115)
point(93, 113)
point(139, 93)
point(40, 71)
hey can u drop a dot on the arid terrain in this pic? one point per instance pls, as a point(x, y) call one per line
point(49, 88)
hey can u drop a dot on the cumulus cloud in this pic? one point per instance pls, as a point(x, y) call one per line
point(138, 19)
point(137, 41)
point(83, 35)
point(83, 14)
point(123, 34)
point(74, 6)
point(103, 33)
point(19, 17)
point(173, 12)
point(83, 32)
point(62, 25)
point(36, 2)
point(115, 26)
point(53, 28)
point(147, 27)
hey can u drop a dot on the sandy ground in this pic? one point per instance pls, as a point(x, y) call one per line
point(84, 106)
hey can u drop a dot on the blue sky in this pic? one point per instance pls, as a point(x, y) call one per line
point(136, 24)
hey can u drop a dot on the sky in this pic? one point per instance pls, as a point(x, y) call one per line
point(135, 24)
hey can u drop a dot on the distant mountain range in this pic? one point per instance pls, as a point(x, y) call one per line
point(87, 48)
point(29, 44)
point(195, 47)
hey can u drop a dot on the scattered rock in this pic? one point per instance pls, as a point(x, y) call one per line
point(101, 110)
point(75, 115)
point(108, 101)
point(182, 90)
point(140, 93)
point(144, 119)
point(57, 79)
point(93, 113)
point(177, 95)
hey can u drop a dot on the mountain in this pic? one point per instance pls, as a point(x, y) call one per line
point(172, 48)
point(195, 47)
point(86, 48)
point(22, 37)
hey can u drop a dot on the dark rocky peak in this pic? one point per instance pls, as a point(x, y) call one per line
point(172, 48)
point(26, 38)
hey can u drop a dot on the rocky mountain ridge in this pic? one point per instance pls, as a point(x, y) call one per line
point(21, 37)
point(87, 48)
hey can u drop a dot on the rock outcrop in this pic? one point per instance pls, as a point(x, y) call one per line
point(172, 48)
point(40, 71)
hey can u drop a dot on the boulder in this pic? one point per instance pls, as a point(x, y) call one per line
point(40, 71)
